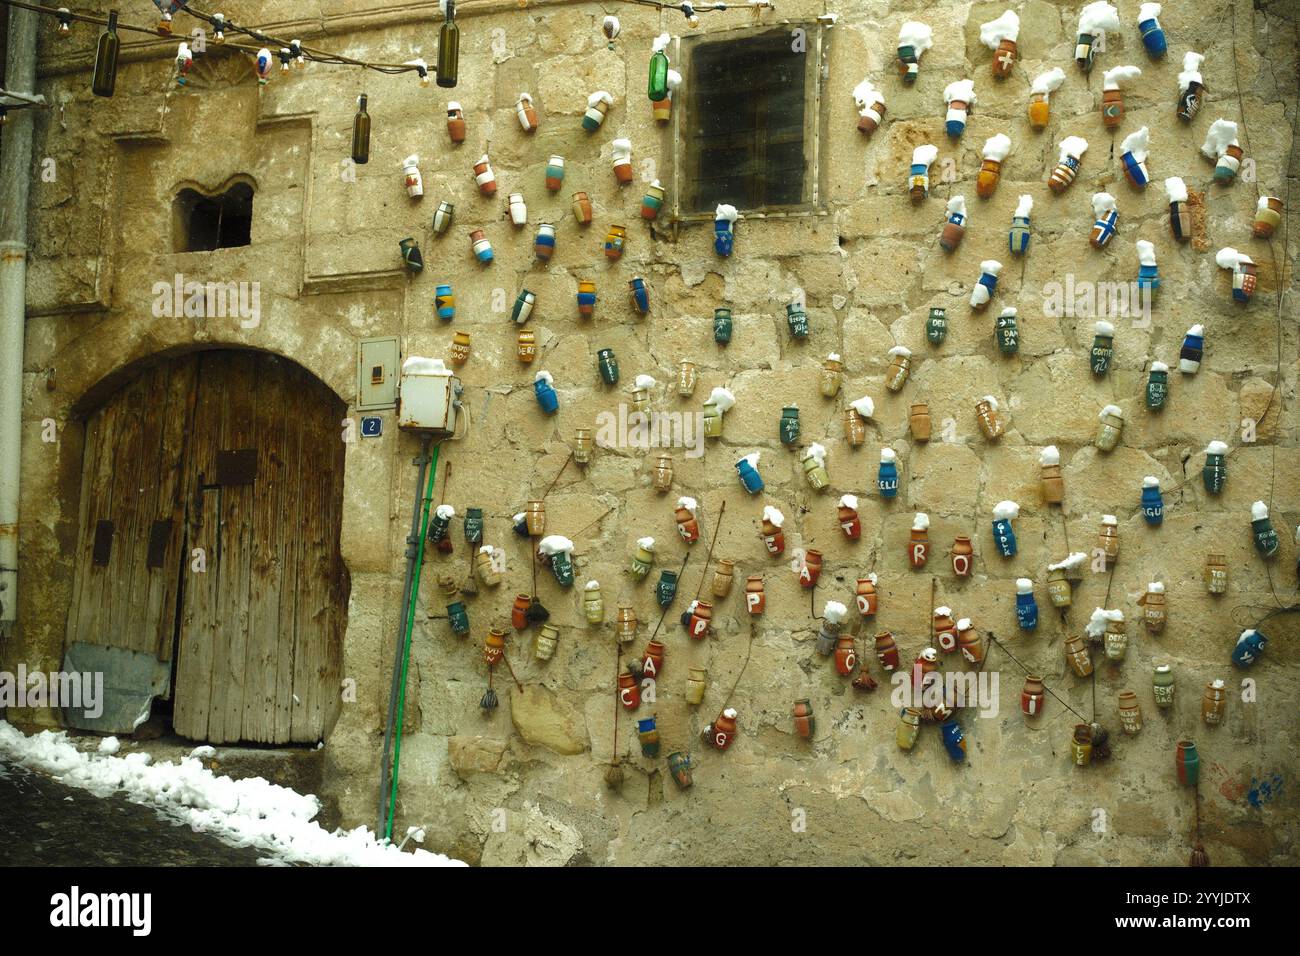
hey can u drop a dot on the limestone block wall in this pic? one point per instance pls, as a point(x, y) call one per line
point(524, 783)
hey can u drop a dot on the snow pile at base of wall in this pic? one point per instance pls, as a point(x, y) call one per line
point(248, 812)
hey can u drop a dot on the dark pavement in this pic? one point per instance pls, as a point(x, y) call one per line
point(45, 823)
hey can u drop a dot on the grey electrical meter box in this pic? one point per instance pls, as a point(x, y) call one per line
point(377, 373)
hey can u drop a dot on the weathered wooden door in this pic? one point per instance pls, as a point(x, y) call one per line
point(218, 480)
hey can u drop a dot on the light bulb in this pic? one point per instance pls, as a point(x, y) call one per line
point(65, 21)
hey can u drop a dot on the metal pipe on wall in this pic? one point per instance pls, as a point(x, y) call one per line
point(15, 187)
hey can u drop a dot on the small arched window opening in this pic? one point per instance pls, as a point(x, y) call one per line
point(203, 223)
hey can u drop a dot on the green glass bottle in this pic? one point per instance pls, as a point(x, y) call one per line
point(105, 78)
point(361, 133)
point(449, 48)
point(657, 89)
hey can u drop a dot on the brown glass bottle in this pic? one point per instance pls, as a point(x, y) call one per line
point(105, 78)
point(361, 133)
point(449, 48)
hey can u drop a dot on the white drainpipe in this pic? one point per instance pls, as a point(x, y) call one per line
point(15, 182)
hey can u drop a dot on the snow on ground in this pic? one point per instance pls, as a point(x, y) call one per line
point(248, 812)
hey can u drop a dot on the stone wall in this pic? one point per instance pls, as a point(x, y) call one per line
point(524, 783)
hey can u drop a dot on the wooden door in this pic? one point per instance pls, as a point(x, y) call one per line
point(249, 450)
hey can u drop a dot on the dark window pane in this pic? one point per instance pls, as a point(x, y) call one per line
point(746, 124)
point(205, 223)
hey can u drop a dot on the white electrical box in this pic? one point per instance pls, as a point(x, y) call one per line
point(427, 399)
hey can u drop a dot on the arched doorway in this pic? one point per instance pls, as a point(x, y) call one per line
point(207, 571)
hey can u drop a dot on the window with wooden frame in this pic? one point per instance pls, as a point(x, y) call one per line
point(749, 129)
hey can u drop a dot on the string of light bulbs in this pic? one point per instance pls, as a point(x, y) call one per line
point(292, 52)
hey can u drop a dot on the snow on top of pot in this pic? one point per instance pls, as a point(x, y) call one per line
point(729, 713)
point(957, 204)
point(1150, 481)
point(621, 148)
point(1196, 329)
point(918, 36)
point(930, 654)
point(722, 398)
point(660, 44)
point(964, 624)
point(487, 548)
point(600, 96)
point(1263, 202)
point(773, 516)
point(864, 406)
point(418, 365)
point(887, 455)
point(1216, 448)
point(1146, 252)
point(1104, 329)
point(610, 25)
point(1191, 69)
point(942, 612)
point(1148, 11)
point(871, 576)
point(900, 350)
point(963, 91)
point(816, 452)
point(592, 585)
point(1109, 520)
point(921, 522)
point(990, 401)
point(674, 80)
point(1110, 410)
point(526, 98)
point(1222, 134)
point(849, 501)
point(1072, 560)
point(1102, 203)
point(410, 161)
point(865, 95)
point(1176, 189)
point(1159, 367)
point(1217, 684)
point(646, 543)
point(752, 458)
point(555, 543)
point(833, 357)
point(925, 154)
point(726, 211)
point(689, 503)
point(1163, 668)
point(1005, 27)
point(997, 146)
point(991, 266)
point(1156, 587)
point(544, 376)
point(1051, 455)
point(1246, 634)
point(1258, 511)
point(483, 160)
point(1098, 15)
point(834, 612)
point(1044, 83)
point(1138, 143)
point(1008, 312)
point(445, 512)
point(453, 106)
point(1074, 146)
point(1111, 79)
point(1023, 206)
point(1024, 585)
point(1096, 626)
point(1230, 258)
point(1006, 510)
point(645, 381)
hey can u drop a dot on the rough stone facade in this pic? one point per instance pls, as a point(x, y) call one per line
point(524, 783)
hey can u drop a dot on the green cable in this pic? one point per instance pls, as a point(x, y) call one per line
point(406, 641)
